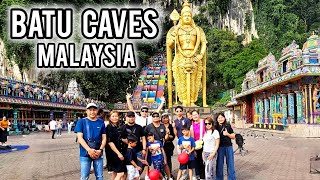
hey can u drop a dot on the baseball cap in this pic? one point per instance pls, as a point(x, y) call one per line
point(131, 113)
point(92, 105)
point(154, 113)
point(144, 107)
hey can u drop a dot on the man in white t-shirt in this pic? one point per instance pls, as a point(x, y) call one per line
point(144, 119)
point(53, 127)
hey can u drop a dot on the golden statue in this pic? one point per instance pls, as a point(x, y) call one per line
point(189, 64)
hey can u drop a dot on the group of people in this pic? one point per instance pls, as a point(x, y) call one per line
point(56, 126)
point(144, 140)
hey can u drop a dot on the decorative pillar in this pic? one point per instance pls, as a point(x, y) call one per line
point(261, 112)
point(299, 107)
point(310, 114)
point(291, 108)
point(15, 119)
point(51, 115)
point(256, 110)
point(284, 109)
point(64, 115)
point(74, 115)
point(266, 109)
point(306, 104)
point(271, 109)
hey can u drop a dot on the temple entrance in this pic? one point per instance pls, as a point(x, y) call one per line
point(249, 110)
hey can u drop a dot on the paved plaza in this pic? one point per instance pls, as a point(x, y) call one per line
point(271, 156)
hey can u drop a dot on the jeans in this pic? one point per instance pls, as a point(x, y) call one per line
point(210, 166)
point(228, 153)
point(85, 165)
point(59, 131)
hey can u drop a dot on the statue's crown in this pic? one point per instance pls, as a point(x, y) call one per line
point(186, 3)
point(186, 7)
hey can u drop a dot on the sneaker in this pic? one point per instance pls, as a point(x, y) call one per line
point(146, 177)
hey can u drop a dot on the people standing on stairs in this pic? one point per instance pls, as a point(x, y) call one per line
point(144, 118)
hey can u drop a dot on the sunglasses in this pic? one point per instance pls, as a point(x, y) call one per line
point(144, 111)
point(207, 123)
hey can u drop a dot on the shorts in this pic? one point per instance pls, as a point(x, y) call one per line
point(189, 165)
point(159, 165)
point(132, 172)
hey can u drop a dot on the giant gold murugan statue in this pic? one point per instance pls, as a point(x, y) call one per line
point(189, 64)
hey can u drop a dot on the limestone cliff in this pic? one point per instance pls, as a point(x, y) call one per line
point(239, 12)
point(9, 69)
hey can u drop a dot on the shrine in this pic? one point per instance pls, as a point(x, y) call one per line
point(283, 94)
point(32, 106)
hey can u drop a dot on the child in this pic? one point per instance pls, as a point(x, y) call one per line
point(187, 144)
point(131, 159)
point(157, 155)
point(211, 140)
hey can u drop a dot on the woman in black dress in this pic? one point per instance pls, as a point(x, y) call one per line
point(115, 149)
point(168, 145)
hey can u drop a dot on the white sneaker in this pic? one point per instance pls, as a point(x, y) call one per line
point(146, 177)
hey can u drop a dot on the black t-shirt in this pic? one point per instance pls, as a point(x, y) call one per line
point(136, 130)
point(131, 155)
point(158, 132)
point(225, 140)
point(113, 135)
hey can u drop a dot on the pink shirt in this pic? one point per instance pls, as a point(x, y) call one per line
point(196, 129)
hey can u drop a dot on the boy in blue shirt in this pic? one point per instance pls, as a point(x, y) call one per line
point(187, 144)
point(158, 158)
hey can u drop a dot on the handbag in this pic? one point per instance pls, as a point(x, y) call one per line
point(199, 143)
point(91, 143)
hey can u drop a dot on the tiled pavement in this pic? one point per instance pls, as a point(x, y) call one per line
point(272, 157)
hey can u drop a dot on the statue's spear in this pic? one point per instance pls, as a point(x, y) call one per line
point(174, 16)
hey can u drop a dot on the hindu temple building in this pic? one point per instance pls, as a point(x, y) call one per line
point(283, 94)
point(31, 105)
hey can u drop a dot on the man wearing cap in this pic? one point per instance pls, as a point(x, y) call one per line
point(158, 129)
point(131, 128)
point(91, 133)
point(144, 119)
